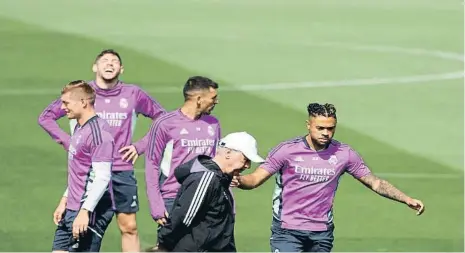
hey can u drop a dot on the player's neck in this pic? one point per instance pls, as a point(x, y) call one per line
point(315, 146)
point(103, 84)
point(85, 116)
point(190, 111)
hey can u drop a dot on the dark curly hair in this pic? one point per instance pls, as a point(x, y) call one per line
point(326, 110)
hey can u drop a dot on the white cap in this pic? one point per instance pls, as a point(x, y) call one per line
point(243, 142)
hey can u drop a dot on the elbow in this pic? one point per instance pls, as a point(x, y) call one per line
point(42, 121)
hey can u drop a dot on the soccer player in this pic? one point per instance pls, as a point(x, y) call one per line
point(119, 104)
point(307, 171)
point(87, 203)
point(177, 137)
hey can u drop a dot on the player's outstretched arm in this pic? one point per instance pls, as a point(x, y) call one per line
point(47, 120)
point(358, 169)
point(387, 190)
point(273, 163)
point(254, 179)
point(155, 148)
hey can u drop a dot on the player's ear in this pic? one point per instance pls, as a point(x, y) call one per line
point(122, 69)
point(94, 68)
point(228, 154)
point(308, 123)
point(198, 99)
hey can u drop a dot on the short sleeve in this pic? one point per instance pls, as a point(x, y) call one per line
point(275, 160)
point(356, 166)
point(102, 147)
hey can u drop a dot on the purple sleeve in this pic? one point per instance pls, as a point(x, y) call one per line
point(275, 160)
point(150, 108)
point(156, 145)
point(47, 120)
point(141, 145)
point(356, 166)
point(102, 147)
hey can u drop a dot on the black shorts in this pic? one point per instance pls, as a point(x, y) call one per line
point(286, 240)
point(124, 186)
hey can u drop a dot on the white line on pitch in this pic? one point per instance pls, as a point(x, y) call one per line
point(303, 85)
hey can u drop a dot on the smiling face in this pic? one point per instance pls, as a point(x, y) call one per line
point(76, 98)
point(108, 67)
point(71, 105)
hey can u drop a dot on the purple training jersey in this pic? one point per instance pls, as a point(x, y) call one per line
point(90, 143)
point(307, 180)
point(119, 106)
point(174, 140)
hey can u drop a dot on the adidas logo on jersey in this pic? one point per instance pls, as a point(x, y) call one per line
point(183, 132)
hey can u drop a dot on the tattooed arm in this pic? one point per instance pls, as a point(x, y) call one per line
point(383, 188)
point(359, 170)
point(387, 190)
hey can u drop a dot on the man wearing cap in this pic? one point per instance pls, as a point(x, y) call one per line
point(202, 217)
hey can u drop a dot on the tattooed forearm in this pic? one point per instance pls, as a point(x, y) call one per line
point(384, 188)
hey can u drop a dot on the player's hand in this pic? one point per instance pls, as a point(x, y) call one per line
point(80, 223)
point(162, 221)
point(234, 182)
point(417, 205)
point(59, 211)
point(130, 153)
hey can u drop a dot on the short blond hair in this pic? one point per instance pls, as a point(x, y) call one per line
point(82, 87)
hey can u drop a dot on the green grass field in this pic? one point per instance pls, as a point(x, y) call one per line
point(393, 69)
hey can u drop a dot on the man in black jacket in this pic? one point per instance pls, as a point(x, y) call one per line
point(202, 218)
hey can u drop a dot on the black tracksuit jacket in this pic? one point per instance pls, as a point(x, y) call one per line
point(202, 217)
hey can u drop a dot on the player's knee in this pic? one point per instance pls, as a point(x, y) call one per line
point(127, 224)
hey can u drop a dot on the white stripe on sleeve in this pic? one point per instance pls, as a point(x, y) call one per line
point(199, 195)
point(99, 185)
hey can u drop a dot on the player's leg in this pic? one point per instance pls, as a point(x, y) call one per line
point(99, 221)
point(321, 241)
point(63, 239)
point(127, 205)
point(284, 240)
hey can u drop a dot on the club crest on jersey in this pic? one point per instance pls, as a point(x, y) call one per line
point(211, 131)
point(332, 160)
point(123, 103)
